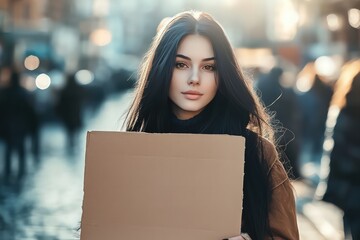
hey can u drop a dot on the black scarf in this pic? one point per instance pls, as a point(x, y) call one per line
point(255, 184)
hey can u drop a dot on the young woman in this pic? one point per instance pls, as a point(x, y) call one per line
point(190, 82)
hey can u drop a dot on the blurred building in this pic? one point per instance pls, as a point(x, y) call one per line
point(343, 21)
point(106, 36)
point(128, 26)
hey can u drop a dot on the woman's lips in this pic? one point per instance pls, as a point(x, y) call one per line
point(192, 95)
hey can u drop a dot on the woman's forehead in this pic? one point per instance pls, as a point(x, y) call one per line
point(196, 46)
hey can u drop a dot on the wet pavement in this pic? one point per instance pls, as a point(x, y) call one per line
point(46, 203)
point(316, 219)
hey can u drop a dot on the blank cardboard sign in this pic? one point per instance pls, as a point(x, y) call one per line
point(162, 186)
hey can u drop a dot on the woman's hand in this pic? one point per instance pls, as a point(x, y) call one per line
point(235, 238)
point(243, 236)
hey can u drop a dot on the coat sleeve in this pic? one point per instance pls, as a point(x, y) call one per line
point(282, 210)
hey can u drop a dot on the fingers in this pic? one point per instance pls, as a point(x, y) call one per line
point(235, 238)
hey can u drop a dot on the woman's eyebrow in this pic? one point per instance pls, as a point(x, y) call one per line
point(187, 58)
point(208, 59)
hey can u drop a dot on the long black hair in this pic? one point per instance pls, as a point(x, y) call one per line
point(234, 110)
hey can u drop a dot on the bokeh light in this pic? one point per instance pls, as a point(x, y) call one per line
point(328, 144)
point(334, 22)
point(101, 37)
point(29, 83)
point(304, 84)
point(333, 113)
point(84, 77)
point(325, 66)
point(286, 20)
point(354, 17)
point(43, 81)
point(31, 62)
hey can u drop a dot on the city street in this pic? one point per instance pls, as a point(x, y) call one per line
point(46, 203)
point(70, 67)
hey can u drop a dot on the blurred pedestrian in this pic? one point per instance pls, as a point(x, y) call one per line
point(282, 102)
point(191, 83)
point(314, 105)
point(18, 118)
point(4, 78)
point(343, 186)
point(69, 109)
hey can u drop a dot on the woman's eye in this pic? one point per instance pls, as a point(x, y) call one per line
point(180, 65)
point(209, 68)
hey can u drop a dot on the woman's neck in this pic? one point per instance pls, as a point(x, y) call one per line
point(184, 115)
point(193, 124)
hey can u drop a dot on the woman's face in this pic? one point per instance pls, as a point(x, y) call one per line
point(193, 84)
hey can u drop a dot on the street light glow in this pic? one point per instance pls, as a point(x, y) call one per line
point(333, 22)
point(31, 62)
point(325, 66)
point(354, 17)
point(101, 37)
point(43, 81)
point(285, 21)
point(84, 77)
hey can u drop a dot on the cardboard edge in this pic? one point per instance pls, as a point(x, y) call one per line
point(88, 135)
point(146, 133)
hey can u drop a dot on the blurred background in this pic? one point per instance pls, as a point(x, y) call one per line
point(68, 67)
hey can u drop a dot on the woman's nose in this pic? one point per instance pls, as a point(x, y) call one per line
point(194, 78)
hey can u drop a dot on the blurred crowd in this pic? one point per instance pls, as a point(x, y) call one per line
point(315, 115)
point(24, 112)
point(60, 60)
point(318, 134)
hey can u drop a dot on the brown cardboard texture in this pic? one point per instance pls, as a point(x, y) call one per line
point(162, 186)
